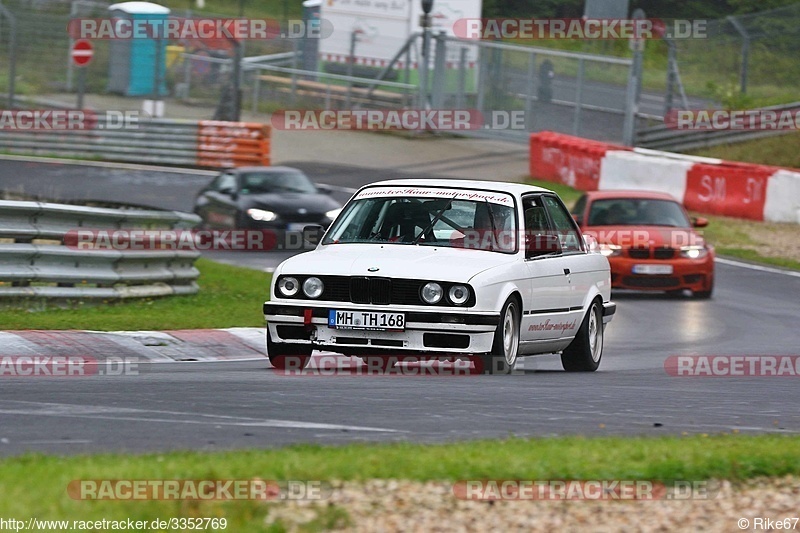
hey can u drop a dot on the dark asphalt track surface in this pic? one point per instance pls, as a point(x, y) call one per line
point(211, 406)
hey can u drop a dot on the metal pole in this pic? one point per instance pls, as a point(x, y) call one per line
point(671, 59)
point(294, 67)
point(423, 68)
point(530, 91)
point(745, 52)
point(576, 119)
point(350, 61)
point(12, 60)
point(462, 78)
point(439, 72)
point(72, 13)
point(81, 85)
point(256, 90)
point(237, 80)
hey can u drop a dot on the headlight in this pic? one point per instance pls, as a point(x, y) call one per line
point(458, 294)
point(610, 250)
point(313, 287)
point(288, 286)
point(432, 293)
point(333, 214)
point(261, 215)
point(694, 252)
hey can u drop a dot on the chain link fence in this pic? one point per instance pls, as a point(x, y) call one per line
point(746, 59)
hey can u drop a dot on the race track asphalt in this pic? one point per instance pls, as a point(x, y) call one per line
point(229, 405)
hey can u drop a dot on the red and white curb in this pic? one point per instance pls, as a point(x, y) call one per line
point(230, 344)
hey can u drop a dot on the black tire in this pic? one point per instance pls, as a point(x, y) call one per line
point(287, 356)
point(704, 295)
point(586, 349)
point(505, 348)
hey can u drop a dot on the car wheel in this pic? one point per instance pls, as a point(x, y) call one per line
point(287, 356)
point(586, 349)
point(705, 295)
point(503, 357)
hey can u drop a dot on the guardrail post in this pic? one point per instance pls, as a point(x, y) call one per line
point(530, 90)
point(576, 121)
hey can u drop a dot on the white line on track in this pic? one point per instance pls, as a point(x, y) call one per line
point(760, 268)
point(99, 412)
point(105, 164)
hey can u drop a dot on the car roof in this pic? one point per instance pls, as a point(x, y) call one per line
point(624, 194)
point(241, 170)
point(512, 188)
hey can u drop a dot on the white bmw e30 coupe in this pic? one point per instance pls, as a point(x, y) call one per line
point(445, 269)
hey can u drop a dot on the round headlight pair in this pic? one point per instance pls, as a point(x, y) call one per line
point(312, 287)
point(432, 293)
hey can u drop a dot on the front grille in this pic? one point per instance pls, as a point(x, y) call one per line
point(664, 253)
point(650, 282)
point(378, 291)
point(639, 253)
point(360, 290)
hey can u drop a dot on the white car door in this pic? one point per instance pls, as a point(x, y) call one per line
point(581, 268)
point(547, 314)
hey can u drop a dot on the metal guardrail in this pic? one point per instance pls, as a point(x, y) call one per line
point(45, 269)
point(662, 137)
point(204, 143)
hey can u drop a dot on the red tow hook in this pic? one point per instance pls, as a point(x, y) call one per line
point(307, 313)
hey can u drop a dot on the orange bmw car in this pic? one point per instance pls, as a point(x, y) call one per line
point(650, 241)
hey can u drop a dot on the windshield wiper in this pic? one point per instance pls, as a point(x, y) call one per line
point(436, 218)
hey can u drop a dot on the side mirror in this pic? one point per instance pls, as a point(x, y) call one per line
point(312, 234)
point(699, 222)
point(229, 192)
point(541, 244)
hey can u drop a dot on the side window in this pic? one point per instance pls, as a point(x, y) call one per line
point(535, 216)
point(563, 225)
point(225, 182)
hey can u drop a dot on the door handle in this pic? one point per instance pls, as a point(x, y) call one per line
point(566, 272)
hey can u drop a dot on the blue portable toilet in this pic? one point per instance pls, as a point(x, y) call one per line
point(135, 64)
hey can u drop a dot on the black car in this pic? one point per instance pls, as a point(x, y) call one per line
point(265, 198)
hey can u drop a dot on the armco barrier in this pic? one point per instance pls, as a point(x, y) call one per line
point(706, 185)
point(213, 144)
point(50, 269)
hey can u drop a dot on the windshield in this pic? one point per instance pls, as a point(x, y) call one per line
point(433, 220)
point(637, 212)
point(276, 182)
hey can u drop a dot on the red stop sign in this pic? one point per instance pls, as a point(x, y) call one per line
point(82, 52)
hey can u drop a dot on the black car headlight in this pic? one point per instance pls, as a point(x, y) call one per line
point(288, 286)
point(458, 294)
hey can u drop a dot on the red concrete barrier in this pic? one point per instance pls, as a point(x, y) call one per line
point(729, 189)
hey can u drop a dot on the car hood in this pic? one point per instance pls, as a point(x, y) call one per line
point(290, 203)
point(395, 261)
point(645, 236)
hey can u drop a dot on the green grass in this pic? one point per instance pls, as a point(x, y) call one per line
point(229, 297)
point(35, 485)
point(567, 193)
point(780, 150)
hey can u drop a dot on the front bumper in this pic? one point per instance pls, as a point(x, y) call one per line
point(693, 274)
point(425, 331)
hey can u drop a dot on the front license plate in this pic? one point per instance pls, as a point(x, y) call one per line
point(374, 321)
point(652, 269)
